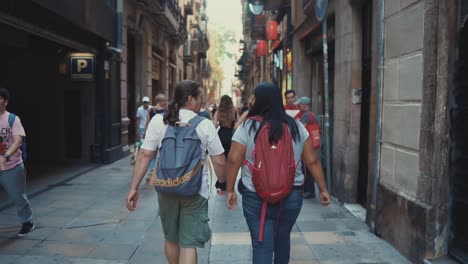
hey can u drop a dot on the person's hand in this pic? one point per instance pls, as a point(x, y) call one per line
point(131, 200)
point(231, 200)
point(220, 187)
point(2, 162)
point(325, 198)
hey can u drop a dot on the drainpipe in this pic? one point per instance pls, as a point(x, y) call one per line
point(378, 130)
point(119, 24)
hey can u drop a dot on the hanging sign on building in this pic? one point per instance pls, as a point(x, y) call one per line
point(82, 67)
point(320, 9)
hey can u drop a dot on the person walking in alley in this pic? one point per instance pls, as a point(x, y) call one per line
point(270, 132)
point(140, 125)
point(12, 171)
point(225, 118)
point(158, 108)
point(307, 118)
point(291, 109)
point(184, 217)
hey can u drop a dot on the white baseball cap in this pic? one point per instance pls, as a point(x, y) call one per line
point(145, 99)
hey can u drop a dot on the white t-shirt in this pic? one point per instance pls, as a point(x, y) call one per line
point(142, 113)
point(205, 130)
point(246, 138)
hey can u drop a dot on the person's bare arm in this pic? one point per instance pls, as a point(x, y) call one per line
point(241, 119)
point(312, 162)
point(218, 164)
point(215, 119)
point(234, 162)
point(17, 141)
point(139, 171)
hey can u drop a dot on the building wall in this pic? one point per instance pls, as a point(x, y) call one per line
point(402, 95)
point(346, 115)
point(413, 193)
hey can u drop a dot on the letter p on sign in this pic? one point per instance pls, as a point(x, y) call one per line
point(81, 64)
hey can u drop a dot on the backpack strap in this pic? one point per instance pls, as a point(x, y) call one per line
point(196, 120)
point(11, 119)
point(256, 118)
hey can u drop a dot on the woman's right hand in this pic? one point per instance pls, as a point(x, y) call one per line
point(325, 198)
point(231, 200)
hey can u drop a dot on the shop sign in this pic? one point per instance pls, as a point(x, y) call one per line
point(82, 67)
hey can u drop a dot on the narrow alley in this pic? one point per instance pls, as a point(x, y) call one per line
point(84, 220)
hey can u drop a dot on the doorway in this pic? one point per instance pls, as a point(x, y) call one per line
point(72, 120)
point(459, 151)
point(365, 103)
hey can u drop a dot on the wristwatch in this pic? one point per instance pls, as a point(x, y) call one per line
point(6, 156)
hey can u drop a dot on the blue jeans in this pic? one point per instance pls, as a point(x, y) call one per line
point(285, 213)
point(14, 183)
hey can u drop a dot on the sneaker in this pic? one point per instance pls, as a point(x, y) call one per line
point(26, 229)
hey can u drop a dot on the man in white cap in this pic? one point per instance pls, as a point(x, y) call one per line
point(140, 124)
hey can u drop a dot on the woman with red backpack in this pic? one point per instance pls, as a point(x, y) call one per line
point(269, 145)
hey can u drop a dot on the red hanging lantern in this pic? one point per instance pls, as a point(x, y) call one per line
point(262, 48)
point(272, 30)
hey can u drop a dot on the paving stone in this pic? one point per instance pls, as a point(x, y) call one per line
point(230, 252)
point(42, 260)
point(230, 225)
point(231, 238)
point(321, 238)
point(52, 248)
point(16, 246)
point(312, 226)
point(301, 252)
point(7, 259)
point(143, 259)
point(83, 235)
point(113, 252)
point(353, 253)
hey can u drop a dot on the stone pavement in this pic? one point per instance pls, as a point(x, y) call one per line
point(84, 220)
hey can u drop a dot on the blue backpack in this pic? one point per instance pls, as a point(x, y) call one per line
point(181, 158)
point(11, 120)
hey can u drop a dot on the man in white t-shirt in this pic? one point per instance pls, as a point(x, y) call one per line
point(141, 116)
point(140, 125)
point(184, 218)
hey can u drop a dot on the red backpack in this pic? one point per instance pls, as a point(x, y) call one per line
point(274, 168)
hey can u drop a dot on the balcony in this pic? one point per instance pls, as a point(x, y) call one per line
point(205, 68)
point(188, 51)
point(188, 7)
point(168, 14)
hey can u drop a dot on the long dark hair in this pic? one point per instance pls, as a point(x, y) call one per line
point(183, 90)
point(269, 105)
point(226, 111)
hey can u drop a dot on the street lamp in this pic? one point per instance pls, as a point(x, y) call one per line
point(257, 7)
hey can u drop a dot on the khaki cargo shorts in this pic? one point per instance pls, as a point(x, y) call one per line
point(185, 219)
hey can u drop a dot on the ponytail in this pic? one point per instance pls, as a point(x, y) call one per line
point(171, 116)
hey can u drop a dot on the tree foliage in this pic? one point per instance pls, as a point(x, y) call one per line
point(221, 38)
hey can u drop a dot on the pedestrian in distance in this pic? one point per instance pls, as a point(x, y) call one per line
point(158, 108)
point(12, 171)
point(183, 201)
point(291, 109)
point(307, 118)
point(225, 118)
point(268, 132)
point(140, 124)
